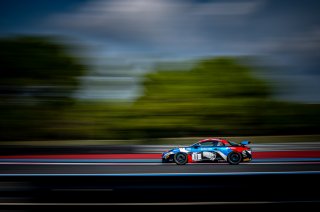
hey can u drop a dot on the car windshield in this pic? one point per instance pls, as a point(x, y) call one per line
point(195, 144)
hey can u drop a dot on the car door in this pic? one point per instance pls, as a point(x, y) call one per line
point(221, 150)
point(207, 150)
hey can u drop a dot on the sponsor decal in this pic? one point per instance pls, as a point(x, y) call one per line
point(222, 155)
point(183, 150)
point(210, 155)
point(244, 153)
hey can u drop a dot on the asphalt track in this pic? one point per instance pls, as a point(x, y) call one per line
point(275, 179)
point(221, 186)
point(40, 168)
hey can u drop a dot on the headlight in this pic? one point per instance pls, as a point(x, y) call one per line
point(166, 155)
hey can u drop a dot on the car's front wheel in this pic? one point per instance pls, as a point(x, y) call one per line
point(234, 158)
point(180, 158)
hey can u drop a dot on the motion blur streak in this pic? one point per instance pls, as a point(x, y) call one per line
point(106, 86)
point(166, 174)
point(117, 189)
point(147, 169)
point(258, 155)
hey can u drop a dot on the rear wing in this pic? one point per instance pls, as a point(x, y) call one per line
point(243, 143)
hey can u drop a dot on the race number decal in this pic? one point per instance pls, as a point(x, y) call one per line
point(196, 157)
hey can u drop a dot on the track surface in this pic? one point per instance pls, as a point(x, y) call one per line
point(46, 181)
point(154, 168)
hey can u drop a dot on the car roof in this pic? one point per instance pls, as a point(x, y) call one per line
point(213, 139)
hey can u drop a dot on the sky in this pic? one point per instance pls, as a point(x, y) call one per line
point(132, 34)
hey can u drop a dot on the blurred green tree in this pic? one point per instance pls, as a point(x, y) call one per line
point(38, 78)
point(219, 96)
point(37, 69)
point(216, 96)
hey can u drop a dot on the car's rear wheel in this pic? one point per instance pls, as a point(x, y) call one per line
point(180, 158)
point(234, 158)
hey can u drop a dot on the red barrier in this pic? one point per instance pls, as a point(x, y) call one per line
point(257, 155)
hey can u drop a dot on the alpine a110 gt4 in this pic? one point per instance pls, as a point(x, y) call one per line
point(210, 150)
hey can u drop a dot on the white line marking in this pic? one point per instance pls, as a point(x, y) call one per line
point(83, 189)
point(165, 174)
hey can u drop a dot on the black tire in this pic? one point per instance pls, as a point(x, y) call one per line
point(180, 158)
point(234, 158)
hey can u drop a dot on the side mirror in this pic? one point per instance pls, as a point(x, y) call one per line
point(196, 146)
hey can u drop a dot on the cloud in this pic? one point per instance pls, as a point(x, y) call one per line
point(161, 24)
point(126, 29)
point(229, 8)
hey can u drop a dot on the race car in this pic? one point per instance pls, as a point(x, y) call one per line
point(210, 150)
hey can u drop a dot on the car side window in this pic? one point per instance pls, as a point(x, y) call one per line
point(220, 144)
point(208, 143)
point(215, 143)
point(211, 143)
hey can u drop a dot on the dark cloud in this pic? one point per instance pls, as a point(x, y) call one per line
point(164, 25)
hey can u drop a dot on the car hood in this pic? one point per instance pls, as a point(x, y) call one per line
point(178, 149)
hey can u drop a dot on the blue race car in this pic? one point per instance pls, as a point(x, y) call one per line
point(210, 150)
